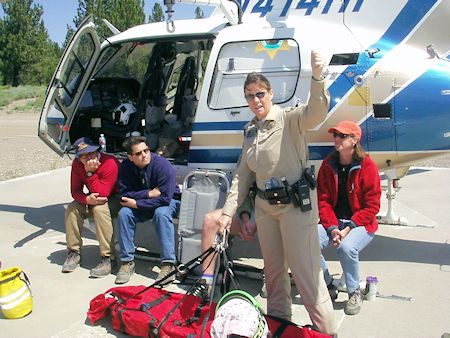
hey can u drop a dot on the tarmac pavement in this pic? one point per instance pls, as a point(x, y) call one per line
point(411, 261)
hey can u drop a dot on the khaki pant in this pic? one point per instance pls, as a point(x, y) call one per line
point(286, 242)
point(103, 215)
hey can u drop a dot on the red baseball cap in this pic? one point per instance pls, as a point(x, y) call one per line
point(347, 127)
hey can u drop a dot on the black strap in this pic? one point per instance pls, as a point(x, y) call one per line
point(144, 308)
point(284, 324)
point(167, 316)
point(147, 306)
point(195, 317)
point(280, 330)
point(261, 193)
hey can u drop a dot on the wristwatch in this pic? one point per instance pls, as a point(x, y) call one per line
point(321, 78)
point(89, 173)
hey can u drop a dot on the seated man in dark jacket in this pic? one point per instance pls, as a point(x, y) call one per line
point(147, 186)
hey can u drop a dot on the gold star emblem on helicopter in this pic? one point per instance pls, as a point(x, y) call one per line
point(271, 47)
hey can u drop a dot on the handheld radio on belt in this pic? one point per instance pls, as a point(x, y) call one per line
point(277, 192)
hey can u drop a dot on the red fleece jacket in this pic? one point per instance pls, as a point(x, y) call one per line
point(102, 181)
point(363, 190)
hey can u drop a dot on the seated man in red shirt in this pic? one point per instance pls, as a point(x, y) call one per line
point(97, 172)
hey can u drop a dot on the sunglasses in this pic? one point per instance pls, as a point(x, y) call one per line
point(143, 151)
point(259, 95)
point(342, 136)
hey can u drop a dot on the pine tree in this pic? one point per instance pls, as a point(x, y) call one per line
point(26, 51)
point(126, 13)
point(123, 14)
point(157, 13)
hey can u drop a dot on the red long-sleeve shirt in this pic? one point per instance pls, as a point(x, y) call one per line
point(103, 181)
point(363, 191)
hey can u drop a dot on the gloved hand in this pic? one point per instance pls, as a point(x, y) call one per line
point(317, 63)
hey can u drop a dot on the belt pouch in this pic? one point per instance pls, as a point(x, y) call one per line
point(277, 196)
point(304, 197)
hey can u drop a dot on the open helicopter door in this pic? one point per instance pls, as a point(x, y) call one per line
point(66, 88)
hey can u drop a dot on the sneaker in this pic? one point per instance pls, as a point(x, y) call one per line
point(202, 290)
point(333, 291)
point(103, 269)
point(73, 261)
point(125, 272)
point(354, 303)
point(166, 269)
point(263, 292)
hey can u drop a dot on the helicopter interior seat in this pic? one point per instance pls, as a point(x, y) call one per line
point(179, 122)
point(187, 86)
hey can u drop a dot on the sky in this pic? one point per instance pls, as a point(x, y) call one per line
point(60, 13)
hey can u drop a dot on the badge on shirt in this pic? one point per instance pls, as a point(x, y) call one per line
point(250, 131)
point(271, 124)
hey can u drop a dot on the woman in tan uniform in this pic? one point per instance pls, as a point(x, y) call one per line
point(275, 148)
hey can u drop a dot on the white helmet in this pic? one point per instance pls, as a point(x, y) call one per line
point(122, 113)
point(239, 313)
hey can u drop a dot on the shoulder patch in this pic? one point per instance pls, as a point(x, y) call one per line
point(250, 130)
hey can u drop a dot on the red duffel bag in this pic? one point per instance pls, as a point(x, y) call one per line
point(153, 312)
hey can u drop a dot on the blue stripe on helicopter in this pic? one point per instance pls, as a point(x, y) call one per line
point(232, 155)
point(218, 126)
point(406, 20)
point(417, 123)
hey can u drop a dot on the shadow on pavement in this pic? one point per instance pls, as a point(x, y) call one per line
point(50, 217)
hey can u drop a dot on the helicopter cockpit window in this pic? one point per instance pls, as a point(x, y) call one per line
point(278, 60)
point(75, 68)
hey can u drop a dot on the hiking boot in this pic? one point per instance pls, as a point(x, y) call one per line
point(166, 269)
point(103, 269)
point(125, 272)
point(202, 290)
point(354, 303)
point(333, 291)
point(72, 261)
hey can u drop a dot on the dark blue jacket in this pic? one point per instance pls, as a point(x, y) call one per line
point(135, 183)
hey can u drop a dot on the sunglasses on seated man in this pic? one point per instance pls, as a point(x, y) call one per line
point(143, 151)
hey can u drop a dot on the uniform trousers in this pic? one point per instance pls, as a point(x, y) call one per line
point(289, 239)
point(102, 215)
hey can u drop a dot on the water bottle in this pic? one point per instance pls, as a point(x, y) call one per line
point(371, 288)
point(102, 142)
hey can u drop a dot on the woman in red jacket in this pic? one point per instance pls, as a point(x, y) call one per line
point(349, 200)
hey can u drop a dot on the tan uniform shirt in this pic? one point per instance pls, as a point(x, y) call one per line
point(277, 147)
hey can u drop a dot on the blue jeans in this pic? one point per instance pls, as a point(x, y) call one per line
point(163, 220)
point(347, 252)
